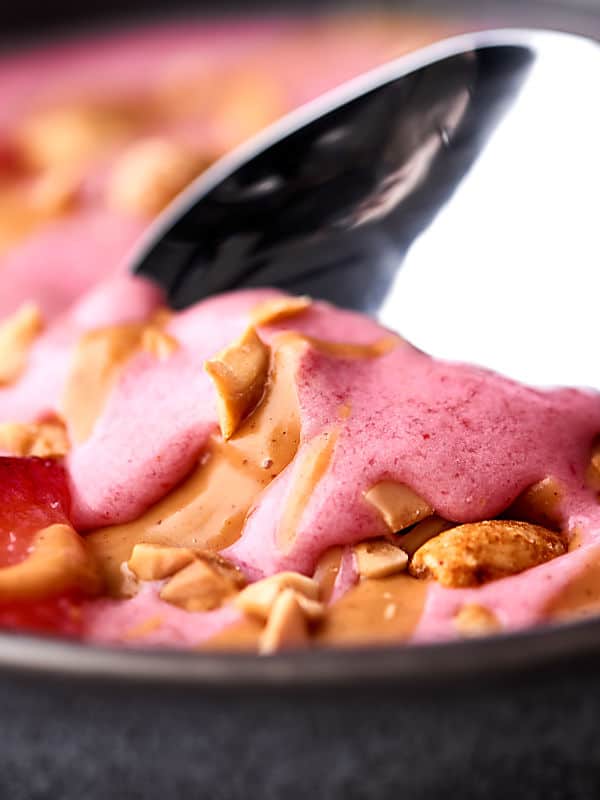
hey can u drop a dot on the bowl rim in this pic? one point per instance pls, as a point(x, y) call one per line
point(509, 654)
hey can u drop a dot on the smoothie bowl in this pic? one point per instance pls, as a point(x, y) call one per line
point(261, 471)
point(399, 538)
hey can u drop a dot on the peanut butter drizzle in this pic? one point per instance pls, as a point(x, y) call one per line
point(97, 362)
point(311, 469)
point(375, 611)
point(342, 350)
point(242, 636)
point(199, 513)
point(99, 359)
point(208, 510)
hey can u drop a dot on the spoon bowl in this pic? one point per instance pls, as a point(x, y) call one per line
point(452, 194)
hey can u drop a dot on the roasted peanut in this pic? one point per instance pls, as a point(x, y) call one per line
point(482, 551)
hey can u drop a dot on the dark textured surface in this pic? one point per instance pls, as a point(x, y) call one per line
point(537, 738)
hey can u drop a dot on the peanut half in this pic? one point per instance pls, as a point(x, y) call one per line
point(398, 504)
point(239, 373)
point(471, 554)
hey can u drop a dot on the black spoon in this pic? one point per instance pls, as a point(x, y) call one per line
point(453, 193)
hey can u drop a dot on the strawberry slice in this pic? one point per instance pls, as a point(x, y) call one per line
point(33, 495)
point(60, 616)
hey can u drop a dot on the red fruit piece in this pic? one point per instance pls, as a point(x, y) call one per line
point(33, 495)
point(60, 615)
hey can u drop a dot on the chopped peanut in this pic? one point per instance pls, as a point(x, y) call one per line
point(258, 598)
point(286, 627)
point(150, 174)
point(421, 533)
point(540, 504)
point(17, 334)
point(154, 562)
point(158, 343)
point(279, 308)
point(203, 585)
point(59, 560)
point(41, 439)
point(398, 504)
point(239, 373)
point(476, 620)
point(378, 559)
point(65, 135)
point(482, 551)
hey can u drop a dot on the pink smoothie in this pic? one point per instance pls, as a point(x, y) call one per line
point(467, 440)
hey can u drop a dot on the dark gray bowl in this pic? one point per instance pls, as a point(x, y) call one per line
point(512, 716)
